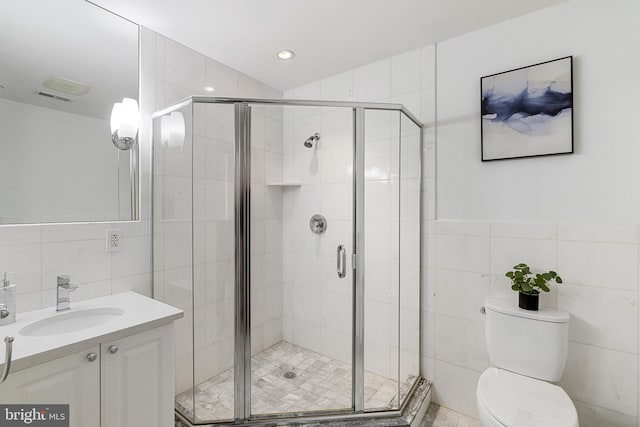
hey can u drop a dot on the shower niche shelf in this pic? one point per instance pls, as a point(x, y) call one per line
point(284, 184)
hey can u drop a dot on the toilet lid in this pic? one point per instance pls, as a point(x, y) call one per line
point(519, 401)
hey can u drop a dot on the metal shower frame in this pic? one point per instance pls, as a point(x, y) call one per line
point(242, 204)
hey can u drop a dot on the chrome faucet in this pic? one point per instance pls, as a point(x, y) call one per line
point(64, 290)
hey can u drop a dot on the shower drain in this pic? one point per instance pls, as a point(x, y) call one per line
point(289, 374)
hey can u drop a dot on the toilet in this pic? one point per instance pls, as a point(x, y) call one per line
point(528, 353)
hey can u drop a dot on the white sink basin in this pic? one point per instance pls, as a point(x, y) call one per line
point(71, 321)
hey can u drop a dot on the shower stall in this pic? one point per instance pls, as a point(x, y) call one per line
point(289, 233)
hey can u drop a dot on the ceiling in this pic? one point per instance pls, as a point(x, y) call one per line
point(328, 36)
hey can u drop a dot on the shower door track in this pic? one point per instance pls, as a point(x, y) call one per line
point(419, 392)
point(290, 102)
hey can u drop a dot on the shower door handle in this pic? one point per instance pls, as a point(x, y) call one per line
point(341, 261)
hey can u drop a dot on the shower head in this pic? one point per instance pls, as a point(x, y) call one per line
point(313, 138)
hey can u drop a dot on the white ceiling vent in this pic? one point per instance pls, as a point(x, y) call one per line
point(66, 86)
point(52, 96)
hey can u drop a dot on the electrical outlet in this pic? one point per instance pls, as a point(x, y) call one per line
point(113, 240)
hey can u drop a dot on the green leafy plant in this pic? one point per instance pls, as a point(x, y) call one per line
point(523, 280)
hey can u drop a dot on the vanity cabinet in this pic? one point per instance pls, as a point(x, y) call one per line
point(137, 381)
point(125, 382)
point(73, 379)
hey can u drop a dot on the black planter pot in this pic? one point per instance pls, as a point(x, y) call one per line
point(528, 301)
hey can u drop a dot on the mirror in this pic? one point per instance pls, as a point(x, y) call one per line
point(63, 65)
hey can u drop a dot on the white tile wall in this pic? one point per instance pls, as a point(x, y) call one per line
point(595, 416)
point(455, 386)
point(470, 261)
point(203, 243)
point(405, 73)
point(326, 171)
point(39, 253)
point(461, 342)
point(610, 265)
point(463, 262)
point(316, 304)
point(373, 82)
point(611, 325)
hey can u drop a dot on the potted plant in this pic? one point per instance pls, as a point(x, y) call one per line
point(529, 284)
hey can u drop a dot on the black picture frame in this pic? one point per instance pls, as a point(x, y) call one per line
point(527, 111)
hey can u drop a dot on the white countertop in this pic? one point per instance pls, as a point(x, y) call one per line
point(140, 314)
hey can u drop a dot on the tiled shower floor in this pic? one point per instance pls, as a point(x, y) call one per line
point(319, 383)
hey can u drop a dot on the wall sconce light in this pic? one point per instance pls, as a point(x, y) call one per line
point(124, 123)
point(172, 130)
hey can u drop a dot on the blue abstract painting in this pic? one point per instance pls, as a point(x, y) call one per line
point(528, 111)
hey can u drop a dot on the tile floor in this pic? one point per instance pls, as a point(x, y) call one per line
point(438, 416)
point(319, 383)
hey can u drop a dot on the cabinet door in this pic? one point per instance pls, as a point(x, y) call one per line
point(137, 380)
point(71, 379)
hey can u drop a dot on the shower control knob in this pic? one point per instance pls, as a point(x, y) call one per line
point(318, 224)
point(113, 349)
point(91, 357)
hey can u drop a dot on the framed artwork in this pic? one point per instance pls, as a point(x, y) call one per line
point(528, 111)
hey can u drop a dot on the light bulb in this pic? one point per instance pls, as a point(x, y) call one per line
point(116, 113)
point(124, 123)
point(286, 54)
point(129, 118)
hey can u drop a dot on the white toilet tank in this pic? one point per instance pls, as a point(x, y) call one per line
point(531, 343)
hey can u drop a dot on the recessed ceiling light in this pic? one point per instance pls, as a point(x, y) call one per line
point(286, 54)
point(209, 88)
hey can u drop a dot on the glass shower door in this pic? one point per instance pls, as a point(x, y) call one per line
point(302, 192)
point(381, 259)
point(289, 234)
point(194, 222)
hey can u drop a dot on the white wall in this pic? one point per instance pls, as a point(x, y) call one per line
point(599, 181)
point(317, 307)
point(479, 233)
point(599, 265)
point(484, 227)
point(475, 238)
point(40, 166)
point(38, 253)
point(266, 223)
point(316, 303)
point(193, 211)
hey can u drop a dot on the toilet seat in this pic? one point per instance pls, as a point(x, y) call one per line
point(513, 400)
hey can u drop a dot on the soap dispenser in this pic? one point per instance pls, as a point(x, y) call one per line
point(7, 300)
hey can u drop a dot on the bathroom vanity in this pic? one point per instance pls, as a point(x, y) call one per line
point(112, 361)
